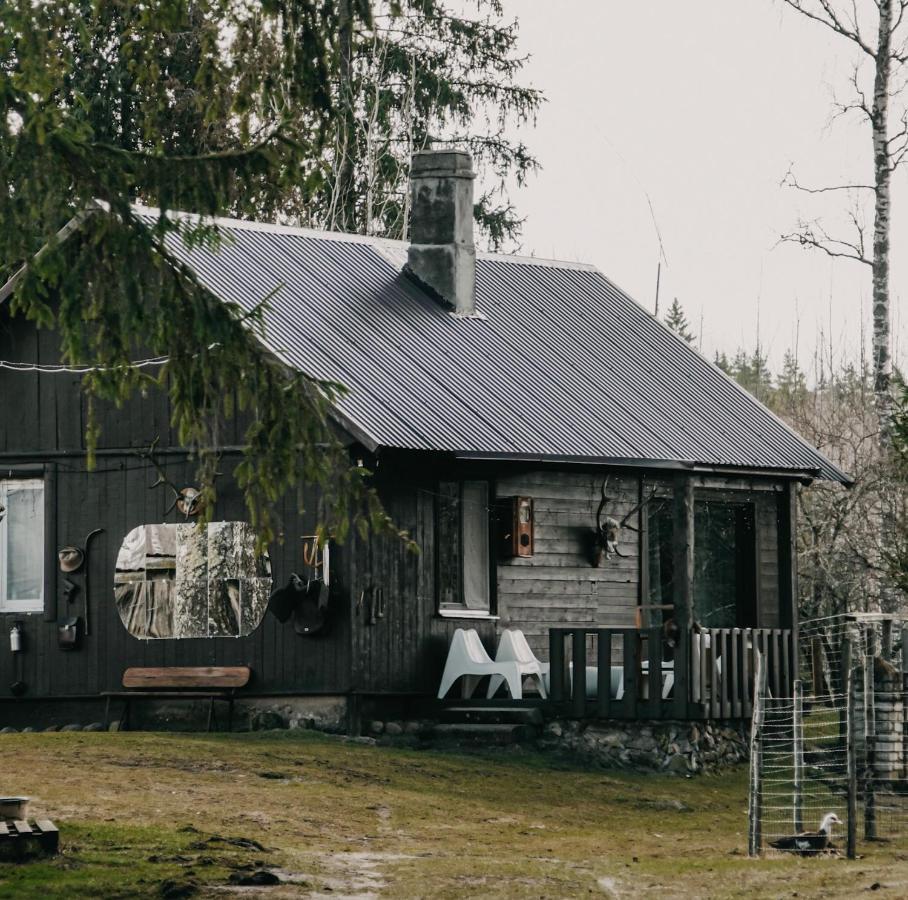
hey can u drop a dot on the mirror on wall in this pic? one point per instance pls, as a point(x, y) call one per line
point(182, 581)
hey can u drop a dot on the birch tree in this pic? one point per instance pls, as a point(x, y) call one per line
point(877, 32)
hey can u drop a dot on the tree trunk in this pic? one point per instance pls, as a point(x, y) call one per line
point(882, 359)
point(345, 212)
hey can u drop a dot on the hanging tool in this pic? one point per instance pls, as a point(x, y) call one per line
point(88, 538)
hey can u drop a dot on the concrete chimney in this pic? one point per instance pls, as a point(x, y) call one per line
point(442, 255)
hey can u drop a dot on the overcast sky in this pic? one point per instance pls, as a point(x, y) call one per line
point(701, 105)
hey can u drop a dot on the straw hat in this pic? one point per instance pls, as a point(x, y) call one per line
point(71, 559)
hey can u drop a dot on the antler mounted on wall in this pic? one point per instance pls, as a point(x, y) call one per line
point(607, 532)
point(188, 500)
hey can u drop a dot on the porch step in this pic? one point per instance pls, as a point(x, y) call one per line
point(466, 733)
point(492, 715)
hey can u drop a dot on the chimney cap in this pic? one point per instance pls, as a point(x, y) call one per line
point(456, 163)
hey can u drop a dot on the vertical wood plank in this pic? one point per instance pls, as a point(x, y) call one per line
point(681, 691)
point(556, 665)
point(714, 709)
point(578, 658)
point(749, 643)
point(631, 670)
point(654, 662)
point(725, 676)
point(604, 673)
point(737, 646)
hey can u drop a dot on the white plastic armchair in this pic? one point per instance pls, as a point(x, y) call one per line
point(467, 659)
point(513, 647)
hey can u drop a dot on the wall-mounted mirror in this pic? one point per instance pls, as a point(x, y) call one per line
point(180, 581)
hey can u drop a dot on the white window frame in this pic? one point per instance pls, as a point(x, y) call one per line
point(460, 609)
point(29, 604)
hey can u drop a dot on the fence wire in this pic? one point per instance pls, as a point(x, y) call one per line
point(798, 792)
point(801, 752)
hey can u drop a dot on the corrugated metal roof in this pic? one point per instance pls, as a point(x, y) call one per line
point(560, 363)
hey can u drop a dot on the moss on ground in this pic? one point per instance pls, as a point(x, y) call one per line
point(153, 815)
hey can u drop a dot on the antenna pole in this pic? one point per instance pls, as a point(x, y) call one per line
point(658, 277)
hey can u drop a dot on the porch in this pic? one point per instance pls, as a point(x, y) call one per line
point(639, 674)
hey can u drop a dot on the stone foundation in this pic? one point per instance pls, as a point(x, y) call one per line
point(325, 713)
point(682, 748)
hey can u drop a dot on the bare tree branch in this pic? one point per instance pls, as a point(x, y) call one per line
point(830, 18)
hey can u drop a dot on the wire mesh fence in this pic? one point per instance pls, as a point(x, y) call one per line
point(838, 746)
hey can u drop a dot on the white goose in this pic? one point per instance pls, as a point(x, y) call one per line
point(809, 843)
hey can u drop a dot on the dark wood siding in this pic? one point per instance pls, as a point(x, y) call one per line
point(558, 585)
point(43, 421)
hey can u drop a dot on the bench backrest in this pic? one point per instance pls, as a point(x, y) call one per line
point(198, 677)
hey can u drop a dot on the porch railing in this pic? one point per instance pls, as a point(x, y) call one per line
point(633, 673)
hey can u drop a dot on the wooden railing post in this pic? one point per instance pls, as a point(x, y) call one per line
point(604, 679)
point(797, 779)
point(683, 550)
point(681, 694)
point(755, 800)
point(556, 665)
point(631, 665)
point(578, 658)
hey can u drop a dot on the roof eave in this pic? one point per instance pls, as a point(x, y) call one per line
point(670, 465)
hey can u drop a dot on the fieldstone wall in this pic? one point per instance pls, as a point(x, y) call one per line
point(683, 748)
point(891, 752)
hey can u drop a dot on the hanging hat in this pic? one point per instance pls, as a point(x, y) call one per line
point(71, 559)
point(283, 601)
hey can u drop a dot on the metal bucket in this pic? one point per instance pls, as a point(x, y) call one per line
point(14, 807)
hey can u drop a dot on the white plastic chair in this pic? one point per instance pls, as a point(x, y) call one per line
point(514, 647)
point(467, 659)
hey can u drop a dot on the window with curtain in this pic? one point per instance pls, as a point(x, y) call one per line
point(462, 548)
point(22, 545)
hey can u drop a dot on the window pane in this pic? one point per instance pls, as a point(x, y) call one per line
point(24, 541)
point(475, 517)
point(660, 529)
point(449, 555)
point(724, 557)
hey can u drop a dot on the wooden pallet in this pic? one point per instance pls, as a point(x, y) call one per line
point(20, 839)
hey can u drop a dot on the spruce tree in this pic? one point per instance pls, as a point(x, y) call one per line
point(428, 73)
point(677, 321)
point(182, 104)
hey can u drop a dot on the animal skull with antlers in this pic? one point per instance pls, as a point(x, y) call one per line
point(607, 532)
point(188, 500)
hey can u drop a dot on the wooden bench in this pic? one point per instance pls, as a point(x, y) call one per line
point(180, 683)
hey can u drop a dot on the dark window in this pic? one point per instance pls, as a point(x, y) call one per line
point(462, 548)
point(724, 562)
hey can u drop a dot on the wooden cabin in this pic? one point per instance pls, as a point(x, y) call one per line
point(567, 466)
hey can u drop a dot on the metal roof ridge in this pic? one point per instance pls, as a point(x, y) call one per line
point(368, 240)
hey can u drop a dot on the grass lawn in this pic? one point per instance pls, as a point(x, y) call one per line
point(156, 815)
